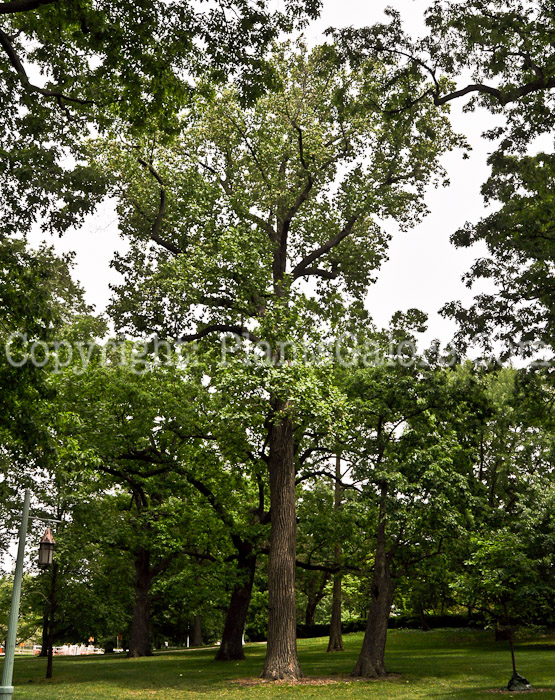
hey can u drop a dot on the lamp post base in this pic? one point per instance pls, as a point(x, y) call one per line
point(517, 683)
point(6, 692)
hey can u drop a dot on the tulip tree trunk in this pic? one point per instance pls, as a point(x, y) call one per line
point(281, 654)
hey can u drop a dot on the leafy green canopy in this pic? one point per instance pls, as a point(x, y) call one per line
point(507, 48)
point(402, 440)
point(66, 65)
point(247, 203)
point(37, 295)
point(510, 50)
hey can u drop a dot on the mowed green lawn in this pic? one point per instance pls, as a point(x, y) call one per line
point(436, 664)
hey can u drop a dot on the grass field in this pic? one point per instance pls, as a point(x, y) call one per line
point(431, 665)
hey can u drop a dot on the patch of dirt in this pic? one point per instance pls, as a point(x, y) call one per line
point(504, 691)
point(314, 680)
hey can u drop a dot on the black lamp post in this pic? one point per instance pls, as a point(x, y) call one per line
point(46, 549)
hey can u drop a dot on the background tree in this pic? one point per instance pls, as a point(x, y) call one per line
point(508, 50)
point(521, 246)
point(507, 573)
point(37, 297)
point(151, 427)
point(414, 474)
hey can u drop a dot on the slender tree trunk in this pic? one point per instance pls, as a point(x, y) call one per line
point(281, 654)
point(231, 648)
point(511, 645)
point(51, 614)
point(336, 637)
point(371, 661)
point(316, 591)
point(139, 638)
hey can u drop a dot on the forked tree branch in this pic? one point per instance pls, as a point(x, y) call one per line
point(156, 226)
point(300, 269)
point(541, 83)
point(220, 328)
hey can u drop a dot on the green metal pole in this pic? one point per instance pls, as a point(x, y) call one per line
point(6, 689)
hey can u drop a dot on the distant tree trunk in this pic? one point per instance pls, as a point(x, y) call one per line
point(336, 636)
point(371, 661)
point(196, 639)
point(51, 616)
point(231, 647)
point(281, 653)
point(511, 645)
point(316, 591)
point(423, 622)
point(310, 610)
point(139, 638)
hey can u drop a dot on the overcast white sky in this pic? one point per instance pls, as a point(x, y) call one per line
point(424, 270)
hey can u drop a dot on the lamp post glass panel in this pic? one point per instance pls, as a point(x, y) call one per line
point(46, 549)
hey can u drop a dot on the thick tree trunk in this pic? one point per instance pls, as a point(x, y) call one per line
point(371, 661)
point(196, 638)
point(336, 637)
point(281, 654)
point(139, 638)
point(231, 648)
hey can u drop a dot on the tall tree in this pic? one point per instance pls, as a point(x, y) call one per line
point(246, 203)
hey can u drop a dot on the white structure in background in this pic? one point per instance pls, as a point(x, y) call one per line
point(77, 650)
